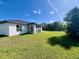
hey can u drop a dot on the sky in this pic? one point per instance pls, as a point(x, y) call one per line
point(39, 11)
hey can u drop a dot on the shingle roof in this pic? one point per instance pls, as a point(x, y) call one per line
point(32, 23)
point(19, 22)
point(14, 21)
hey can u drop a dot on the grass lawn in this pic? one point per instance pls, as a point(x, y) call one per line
point(44, 45)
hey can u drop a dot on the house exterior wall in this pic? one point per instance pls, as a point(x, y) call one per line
point(34, 29)
point(39, 29)
point(13, 29)
point(4, 29)
point(10, 29)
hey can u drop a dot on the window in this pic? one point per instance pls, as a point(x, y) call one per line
point(19, 27)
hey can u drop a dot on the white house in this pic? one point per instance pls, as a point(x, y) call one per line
point(16, 27)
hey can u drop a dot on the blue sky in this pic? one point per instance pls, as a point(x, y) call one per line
point(36, 10)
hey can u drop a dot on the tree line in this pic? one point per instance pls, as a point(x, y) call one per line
point(55, 26)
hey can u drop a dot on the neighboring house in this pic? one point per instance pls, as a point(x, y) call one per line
point(16, 27)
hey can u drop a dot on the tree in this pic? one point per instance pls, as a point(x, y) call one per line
point(45, 26)
point(72, 19)
point(56, 26)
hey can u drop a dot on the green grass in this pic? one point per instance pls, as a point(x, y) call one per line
point(44, 45)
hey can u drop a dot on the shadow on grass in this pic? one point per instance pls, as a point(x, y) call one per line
point(64, 41)
point(3, 36)
point(25, 34)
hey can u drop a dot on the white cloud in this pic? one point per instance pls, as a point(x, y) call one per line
point(37, 11)
point(50, 21)
point(1, 2)
point(51, 12)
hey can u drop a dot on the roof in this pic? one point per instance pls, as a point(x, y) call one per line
point(14, 21)
point(32, 23)
point(19, 22)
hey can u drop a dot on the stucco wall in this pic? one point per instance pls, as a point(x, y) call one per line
point(39, 29)
point(13, 29)
point(34, 29)
point(4, 29)
point(10, 29)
